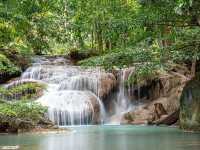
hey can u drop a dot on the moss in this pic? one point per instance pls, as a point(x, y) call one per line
point(190, 106)
point(23, 91)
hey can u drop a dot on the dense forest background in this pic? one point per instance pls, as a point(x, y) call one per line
point(114, 33)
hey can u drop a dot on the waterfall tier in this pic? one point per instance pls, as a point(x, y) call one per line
point(72, 94)
point(75, 95)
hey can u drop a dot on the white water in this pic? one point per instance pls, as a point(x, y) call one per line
point(123, 103)
point(72, 92)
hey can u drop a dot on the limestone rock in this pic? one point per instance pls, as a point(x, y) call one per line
point(107, 84)
point(161, 107)
point(190, 106)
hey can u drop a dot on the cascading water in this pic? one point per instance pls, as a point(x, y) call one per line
point(124, 101)
point(72, 93)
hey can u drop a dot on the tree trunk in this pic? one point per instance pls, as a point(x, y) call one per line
point(92, 39)
point(193, 68)
point(194, 62)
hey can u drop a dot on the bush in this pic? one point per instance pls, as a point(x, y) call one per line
point(144, 73)
point(80, 54)
point(23, 109)
point(120, 59)
point(20, 115)
point(6, 66)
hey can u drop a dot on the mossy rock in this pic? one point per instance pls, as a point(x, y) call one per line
point(190, 106)
point(30, 90)
point(20, 115)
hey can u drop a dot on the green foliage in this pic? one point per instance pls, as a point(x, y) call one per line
point(23, 110)
point(119, 33)
point(147, 34)
point(27, 24)
point(119, 59)
point(6, 33)
point(6, 66)
point(144, 73)
point(23, 91)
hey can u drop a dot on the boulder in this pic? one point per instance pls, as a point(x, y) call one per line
point(168, 119)
point(140, 115)
point(160, 108)
point(190, 106)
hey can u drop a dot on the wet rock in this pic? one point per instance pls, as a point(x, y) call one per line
point(159, 111)
point(170, 119)
point(107, 84)
point(140, 115)
point(190, 106)
point(6, 76)
point(162, 107)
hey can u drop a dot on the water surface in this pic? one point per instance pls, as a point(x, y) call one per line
point(107, 138)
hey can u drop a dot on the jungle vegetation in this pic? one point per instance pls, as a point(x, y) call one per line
point(149, 34)
point(109, 33)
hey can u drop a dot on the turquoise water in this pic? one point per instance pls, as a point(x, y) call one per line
point(107, 138)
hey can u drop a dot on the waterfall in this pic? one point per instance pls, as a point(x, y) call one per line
point(123, 102)
point(72, 94)
point(75, 96)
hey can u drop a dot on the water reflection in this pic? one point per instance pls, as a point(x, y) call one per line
point(108, 138)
